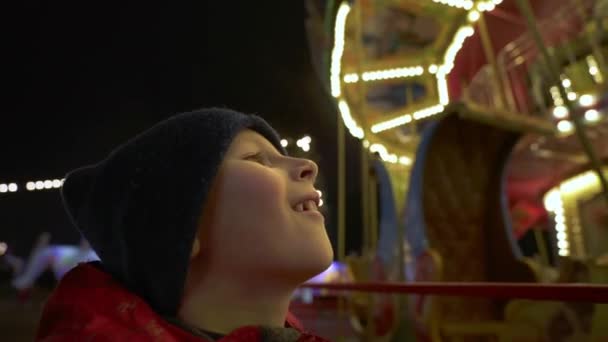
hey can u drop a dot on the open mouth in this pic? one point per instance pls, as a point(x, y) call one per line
point(308, 205)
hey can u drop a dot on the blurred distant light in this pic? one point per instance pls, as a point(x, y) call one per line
point(30, 186)
point(572, 96)
point(592, 115)
point(464, 4)
point(566, 83)
point(13, 187)
point(560, 112)
point(351, 78)
point(564, 126)
point(433, 68)
point(306, 148)
point(593, 70)
point(57, 183)
point(3, 248)
point(586, 100)
point(48, 184)
point(39, 185)
point(320, 202)
point(3, 188)
point(405, 160)
point(284, 142)
point(473, 16)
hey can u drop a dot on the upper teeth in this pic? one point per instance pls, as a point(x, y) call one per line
point(306, 206)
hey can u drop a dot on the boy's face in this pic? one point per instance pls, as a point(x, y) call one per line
point(261, 216)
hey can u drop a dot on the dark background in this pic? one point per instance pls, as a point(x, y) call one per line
point(81, 77)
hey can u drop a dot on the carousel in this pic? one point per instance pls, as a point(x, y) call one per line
point(481, 124)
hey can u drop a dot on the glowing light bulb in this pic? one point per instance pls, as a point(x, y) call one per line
point(3, 188)
point(13, 187)
point(586, 100)
point(473, 16)
point(564, 126)
point(284, 142)
point(48, 184)
point(30, 186)
point(57, 183)
point(405, 160)
point(560, 112)
point(39, 185)
point(592, 115)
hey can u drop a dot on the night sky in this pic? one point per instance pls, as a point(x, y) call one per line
point(83, 77)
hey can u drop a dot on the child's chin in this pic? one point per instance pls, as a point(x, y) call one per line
point(320, 263)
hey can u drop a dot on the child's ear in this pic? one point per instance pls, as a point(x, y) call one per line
point(196, 248)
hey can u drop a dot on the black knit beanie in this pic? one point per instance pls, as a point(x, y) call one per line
point(139, 207)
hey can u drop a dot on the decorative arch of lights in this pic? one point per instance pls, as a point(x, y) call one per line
point(441, 71)
point(562, 202)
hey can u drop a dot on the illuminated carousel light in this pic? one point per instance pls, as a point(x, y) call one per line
point(566, 83)
point(593, 70)
point(351, 78)
point(12, 187)
point(3, 188)
point(592, 115)
point(48, 184)
point(565, 126)
point(30, 186)
point(57, 183)
point(39, 185)
point(560, 112)
point(405, 160)
point(348, 120)
point(486, 6)
point(433, 68)
point(338, 49)
point(586, 100)
point(407, 118)
point(572, 96)
point(284, 142)
point(392, 73)
point(473, 16)
point(463, 4)
point(383, 126)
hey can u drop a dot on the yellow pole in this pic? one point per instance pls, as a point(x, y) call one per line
point(553, 73)
point(486, 42)
point(373, 212)
point(592, 38)
point(542, 248)
point(365, 199)
point(341, 190)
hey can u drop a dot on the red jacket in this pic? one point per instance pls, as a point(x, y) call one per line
point(89, 305)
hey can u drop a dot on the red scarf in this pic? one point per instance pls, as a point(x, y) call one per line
point(89, 305)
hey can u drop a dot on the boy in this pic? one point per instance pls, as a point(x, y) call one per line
point(204, 227)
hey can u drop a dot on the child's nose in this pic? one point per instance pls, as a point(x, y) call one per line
point(306, 170)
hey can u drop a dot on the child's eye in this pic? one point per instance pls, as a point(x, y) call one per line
point(259, 158)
